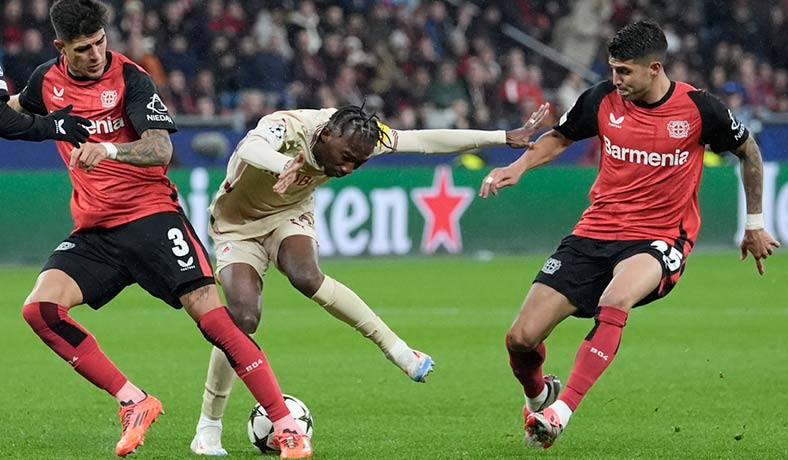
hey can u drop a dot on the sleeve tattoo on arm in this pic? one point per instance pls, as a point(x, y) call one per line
point(153, 148)
point(751, 173)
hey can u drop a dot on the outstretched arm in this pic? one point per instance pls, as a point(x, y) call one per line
point(545, 149)
point(757, 241)
point(153, 148)
point(16, 123)
point(460, 140)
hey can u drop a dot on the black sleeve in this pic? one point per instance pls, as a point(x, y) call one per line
point(16, 125)
point(31, 98)
point(721, 131)
point(3, 88)
point(143, 105)
point(580, 121)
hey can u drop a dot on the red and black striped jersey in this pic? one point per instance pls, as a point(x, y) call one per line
point(121, 105)
point(651, 160)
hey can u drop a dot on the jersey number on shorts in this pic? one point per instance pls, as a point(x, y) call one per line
point(670, 255)
point(181, 248)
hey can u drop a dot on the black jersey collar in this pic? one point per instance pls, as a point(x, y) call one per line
point(659, 102)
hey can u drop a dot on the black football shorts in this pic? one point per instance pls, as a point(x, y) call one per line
point(581, 268)
point(159, 252)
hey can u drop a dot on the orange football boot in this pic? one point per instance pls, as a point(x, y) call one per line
point(135, 419)
point(293, 445)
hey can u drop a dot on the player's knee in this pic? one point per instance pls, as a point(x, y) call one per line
point(39, 315)
point(244, 310)
point(307, 281)
point(247, 320)
point(32, 314)
point(520, 340)
point(616, 300)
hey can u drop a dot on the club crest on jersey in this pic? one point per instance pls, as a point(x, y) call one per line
point(226, 249)
point(109, 98)
point(58, 93)
point(616, 122)
point(678, 129)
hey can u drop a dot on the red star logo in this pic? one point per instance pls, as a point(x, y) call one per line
point(442, 205)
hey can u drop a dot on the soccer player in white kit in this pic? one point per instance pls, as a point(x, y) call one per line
point(264, 214)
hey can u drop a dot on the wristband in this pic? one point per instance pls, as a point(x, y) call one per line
point(112, 151)
point(754, 222)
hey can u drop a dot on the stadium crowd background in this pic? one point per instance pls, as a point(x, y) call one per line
point(429, 64)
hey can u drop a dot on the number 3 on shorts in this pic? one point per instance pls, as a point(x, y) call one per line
point(671, 256)
point(181, 248)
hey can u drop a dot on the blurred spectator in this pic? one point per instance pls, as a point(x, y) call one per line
point(447, 88)
point(176, 94)
point(13, 27)
point(517, 88)
point(38, 19)
point(481, 94)
point(180, 56)
point(580, 34)
point(253, 106)
point(140, 50)
point(271, 33)
point(205, 107)
point(31, 55)
point(275, 69)
point(734, 98)
point(205, 86)
point(570, 89)
point(305, 21)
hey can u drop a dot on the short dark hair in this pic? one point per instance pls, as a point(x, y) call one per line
point(638, 40)
point(355, 122)
point(75, 18)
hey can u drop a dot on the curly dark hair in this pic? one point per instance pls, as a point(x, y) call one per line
point(355, 122)
point(75, 18)
point(642, 39)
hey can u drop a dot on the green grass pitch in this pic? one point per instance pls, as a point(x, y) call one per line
point(702, 374)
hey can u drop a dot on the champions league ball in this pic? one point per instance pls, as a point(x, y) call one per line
point(261, 429)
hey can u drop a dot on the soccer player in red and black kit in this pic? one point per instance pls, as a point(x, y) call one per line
point(631, 243)
point(58, 125)
point(129, 227)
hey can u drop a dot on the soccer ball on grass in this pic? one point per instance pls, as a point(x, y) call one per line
point(261, 429)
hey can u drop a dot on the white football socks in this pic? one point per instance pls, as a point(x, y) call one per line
point(563, 411)
point(401, 355)
point(536, 402)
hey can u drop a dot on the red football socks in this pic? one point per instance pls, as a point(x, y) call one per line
point(247, 360)
point(74, 344)
point(595, 354)
point(527, 368)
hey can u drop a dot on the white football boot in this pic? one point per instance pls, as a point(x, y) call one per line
point(208, 439)
point(416, 365)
